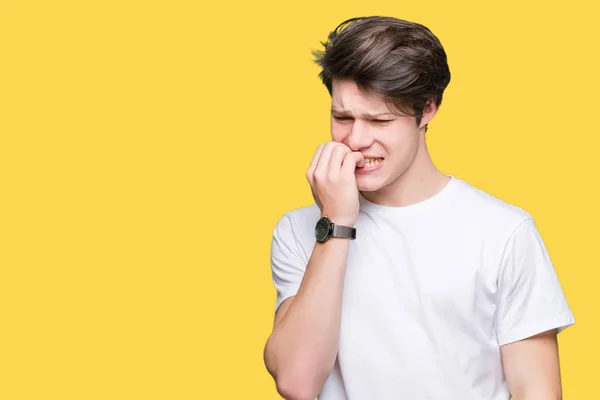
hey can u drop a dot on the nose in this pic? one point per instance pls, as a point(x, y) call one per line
point(358, 137)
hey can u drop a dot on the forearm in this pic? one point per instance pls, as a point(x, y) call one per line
point(301, 351)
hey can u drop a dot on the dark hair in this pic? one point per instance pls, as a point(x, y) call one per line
point(402, 62)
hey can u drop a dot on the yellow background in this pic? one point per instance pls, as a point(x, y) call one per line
point(149, 147)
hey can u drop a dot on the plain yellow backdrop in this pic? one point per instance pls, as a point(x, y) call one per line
point(149, 147)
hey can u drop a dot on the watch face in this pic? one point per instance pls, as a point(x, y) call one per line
point(322, 229)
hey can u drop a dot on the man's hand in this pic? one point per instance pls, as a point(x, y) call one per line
point(333, 183)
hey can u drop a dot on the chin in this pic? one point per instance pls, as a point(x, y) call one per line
point(368, 184)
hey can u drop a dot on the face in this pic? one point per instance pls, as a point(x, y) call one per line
point(363, 122)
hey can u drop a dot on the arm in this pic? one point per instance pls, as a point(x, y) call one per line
point(531, 367)
point(302, 348)
point(532, 310)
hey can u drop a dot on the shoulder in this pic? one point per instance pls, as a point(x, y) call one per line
point(304, 215)
point(489, 224)
point(475, 203)
point(487, 216)
point(295, 230)
point(300, 222)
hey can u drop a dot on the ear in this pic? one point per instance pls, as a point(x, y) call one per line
point(429, 112)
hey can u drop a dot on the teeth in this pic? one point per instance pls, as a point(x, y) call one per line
point(371, 162)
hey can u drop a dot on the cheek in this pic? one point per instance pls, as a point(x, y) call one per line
point(400, 142)
point(338, 133)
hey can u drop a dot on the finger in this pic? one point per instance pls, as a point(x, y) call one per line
point(336, 160)
point(361, 159)
point(351, 161)
point(323, 162)
point(313, 164)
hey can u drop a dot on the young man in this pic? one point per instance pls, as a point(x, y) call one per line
point(402, 282)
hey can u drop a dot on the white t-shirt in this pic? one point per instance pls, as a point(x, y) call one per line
point(432, 290)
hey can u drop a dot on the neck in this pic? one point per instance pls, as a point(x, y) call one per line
point(420, 181)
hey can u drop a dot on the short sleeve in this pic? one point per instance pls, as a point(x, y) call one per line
point(287, 263)
point(530, 296)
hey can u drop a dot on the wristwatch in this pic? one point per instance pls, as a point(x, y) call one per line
point(326, 229)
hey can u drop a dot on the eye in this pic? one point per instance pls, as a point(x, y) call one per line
point(382, 121)
point(342, 118)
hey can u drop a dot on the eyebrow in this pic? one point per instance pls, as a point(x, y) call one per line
point(366, 115)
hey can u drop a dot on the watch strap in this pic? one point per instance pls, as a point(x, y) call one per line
point(343, 231)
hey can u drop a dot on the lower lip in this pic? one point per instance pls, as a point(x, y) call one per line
point(366, 170)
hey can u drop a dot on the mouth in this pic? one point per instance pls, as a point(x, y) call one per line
point(371, 164)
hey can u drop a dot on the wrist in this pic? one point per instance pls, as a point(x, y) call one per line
point(326, 228)
point(340, 220)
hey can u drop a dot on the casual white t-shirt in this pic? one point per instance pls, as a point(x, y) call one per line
point(431, 292)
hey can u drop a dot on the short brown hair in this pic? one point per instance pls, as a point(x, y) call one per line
point(402, 62)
